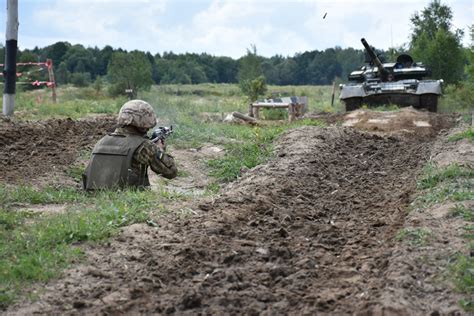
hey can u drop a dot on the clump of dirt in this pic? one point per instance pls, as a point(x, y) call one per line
point(37, 152)
point(311, 231)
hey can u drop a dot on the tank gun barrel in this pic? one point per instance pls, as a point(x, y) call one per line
point(382, 71)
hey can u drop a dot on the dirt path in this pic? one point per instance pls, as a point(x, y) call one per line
point(311, 231)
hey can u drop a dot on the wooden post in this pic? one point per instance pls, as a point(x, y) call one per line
point(333, 92)
point(52, 80)
point(11, 46)
point(291, 112)
point(250, 109)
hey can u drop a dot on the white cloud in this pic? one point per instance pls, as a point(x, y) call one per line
point(226, 27)
point(100, 22)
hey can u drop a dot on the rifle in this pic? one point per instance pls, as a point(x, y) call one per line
point(161, 133)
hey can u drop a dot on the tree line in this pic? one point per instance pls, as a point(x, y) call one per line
point(433, 41)
point(79, 65)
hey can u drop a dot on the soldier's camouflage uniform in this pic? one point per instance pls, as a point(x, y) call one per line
point(149, 154)
point(121, 159)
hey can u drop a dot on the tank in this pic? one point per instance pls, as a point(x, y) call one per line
point(401, 83)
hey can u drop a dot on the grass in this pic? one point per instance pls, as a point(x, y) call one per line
point(467, 134)
point(457, 98)
point(433, 176)
point(463, 274)
point(452, 183)
point(49, 195)
point(36, 247)
point(414, 236)
point(463, 212)
point(253, 148)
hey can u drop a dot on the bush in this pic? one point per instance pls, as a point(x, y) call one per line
point(80, 79)
point(458, 98)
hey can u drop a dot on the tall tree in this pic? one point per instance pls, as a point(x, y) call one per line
point(252, 82)
point(130, 71)
point(436, 44)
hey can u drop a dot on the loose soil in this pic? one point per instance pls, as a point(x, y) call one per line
point(39, 153)
point(311, 231)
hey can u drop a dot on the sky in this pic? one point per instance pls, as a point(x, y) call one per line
point(224, 27)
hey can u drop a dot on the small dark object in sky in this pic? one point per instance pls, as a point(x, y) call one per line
point(325, 15)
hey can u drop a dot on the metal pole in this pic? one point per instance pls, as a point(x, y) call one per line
point(11, 46)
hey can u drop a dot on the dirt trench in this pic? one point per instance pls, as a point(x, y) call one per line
point(312, 231)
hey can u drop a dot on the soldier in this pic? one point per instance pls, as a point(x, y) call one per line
point(121, 159)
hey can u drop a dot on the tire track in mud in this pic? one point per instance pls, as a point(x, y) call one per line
point(310, 231)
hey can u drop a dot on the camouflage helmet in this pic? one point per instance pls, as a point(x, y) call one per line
point(137, 113)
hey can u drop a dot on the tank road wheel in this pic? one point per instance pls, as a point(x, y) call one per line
point(429, 102)
point(352, 104)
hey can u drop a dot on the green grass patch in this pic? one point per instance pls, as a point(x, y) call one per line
point(10, 195)
point(252, 147)
point(38, 249)
point(463, 274)
point(452, 183)
point(467, 134)
point(463, 212)
point(414, 236)
point(432, 175)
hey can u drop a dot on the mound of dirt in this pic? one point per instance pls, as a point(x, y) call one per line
point(311, 231)
point(406, 121)
point(45, 149)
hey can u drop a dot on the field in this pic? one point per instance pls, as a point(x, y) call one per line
point(367, 212)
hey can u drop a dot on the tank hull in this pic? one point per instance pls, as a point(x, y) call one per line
point(424, 101)
point(422, 94)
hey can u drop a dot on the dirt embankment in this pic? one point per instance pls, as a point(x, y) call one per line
point(311, 231)
point(39, 152)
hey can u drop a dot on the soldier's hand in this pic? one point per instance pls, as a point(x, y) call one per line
point(161, 144)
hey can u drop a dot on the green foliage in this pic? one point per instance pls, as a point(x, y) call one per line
point(129, 71)
point(434, 17)
point(458, 98)
point(435, 44)
point(435, 52)
point(30, 195)
point(467, 134)
point(80, 79)
point(251, 79)
point(414, 236)
point(98, 84)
